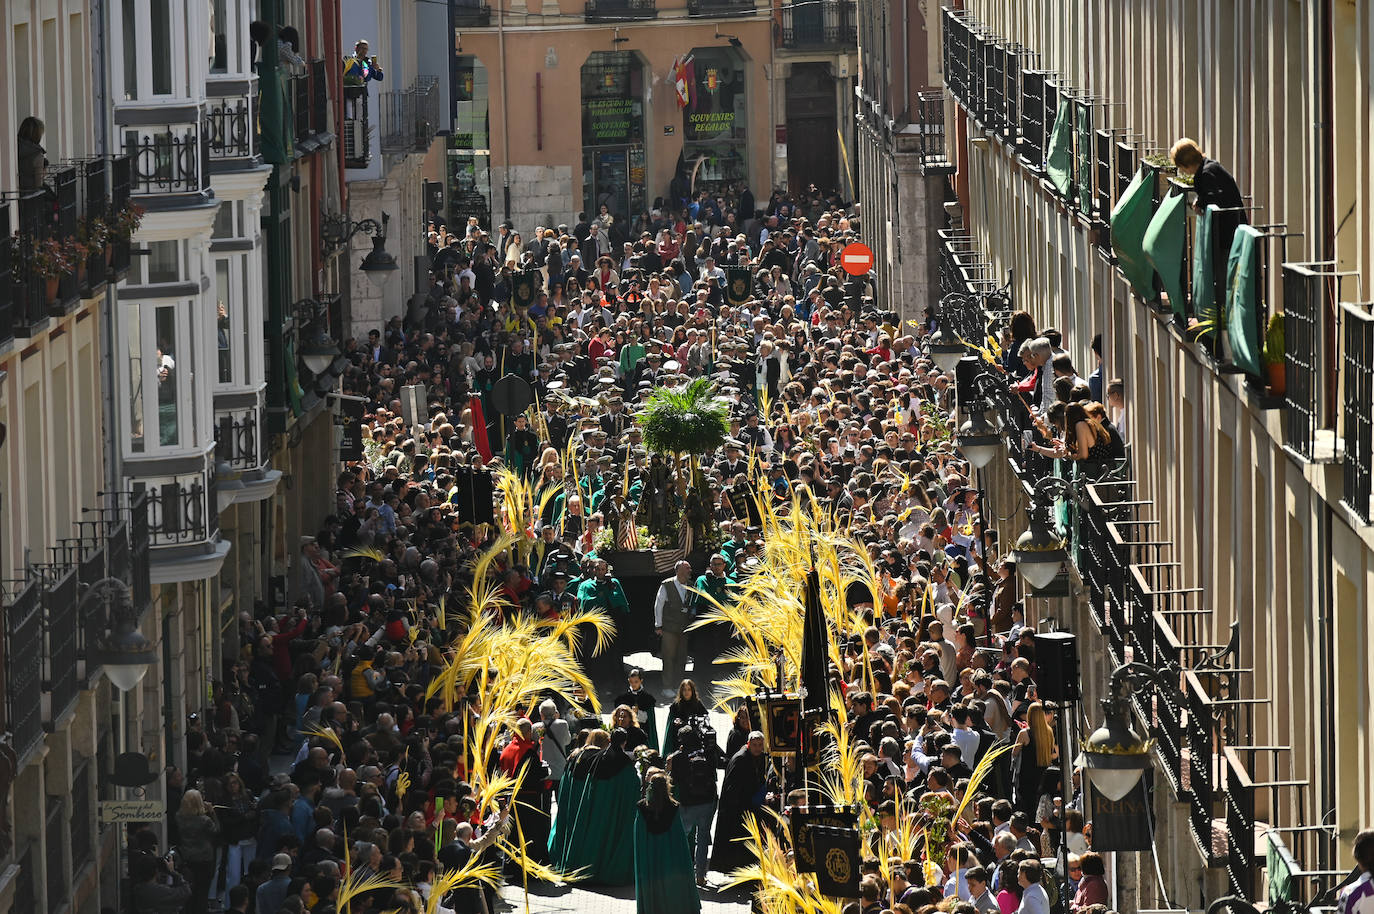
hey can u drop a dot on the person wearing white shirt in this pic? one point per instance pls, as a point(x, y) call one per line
point(1034, 898)
point(673, 610)
point(957, 863)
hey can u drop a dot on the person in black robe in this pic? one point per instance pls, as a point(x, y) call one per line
point(642, 703)
point(742, 792)
point(1214, 186)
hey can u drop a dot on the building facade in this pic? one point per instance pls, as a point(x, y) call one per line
point(390, 131)
point(813, 101)
point(537, 86)
point(1237, 558)
point(902, 169)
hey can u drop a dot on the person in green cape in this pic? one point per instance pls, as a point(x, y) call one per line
point(594, 829)
point(665, 882)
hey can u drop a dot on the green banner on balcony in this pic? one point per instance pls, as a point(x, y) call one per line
point(1130, 220)
point(1059, 157)
point(1242, 299)
point(1163, 246)
point(1204, 291)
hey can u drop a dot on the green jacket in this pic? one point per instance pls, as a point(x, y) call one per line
point(716, 588)
point(606, 596)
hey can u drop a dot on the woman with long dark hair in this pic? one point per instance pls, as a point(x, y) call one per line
point(665, 881)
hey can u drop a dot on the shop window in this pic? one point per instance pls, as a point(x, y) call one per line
point(715, 121)
point(469, 146)
point(613, 159)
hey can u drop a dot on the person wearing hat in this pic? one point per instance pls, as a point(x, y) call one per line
point(733, 463)
point(614, 420)
point(522, 447)
point(272, 893)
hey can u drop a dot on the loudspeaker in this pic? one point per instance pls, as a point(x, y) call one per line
point(1056, 662)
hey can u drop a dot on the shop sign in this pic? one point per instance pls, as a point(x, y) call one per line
point(705, 125)
point(608, 122)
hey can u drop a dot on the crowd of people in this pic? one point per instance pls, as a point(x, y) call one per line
point(834, 408)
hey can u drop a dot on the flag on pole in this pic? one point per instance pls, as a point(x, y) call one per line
point(683, 75)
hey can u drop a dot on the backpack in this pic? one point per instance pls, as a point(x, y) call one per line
point(699, 786)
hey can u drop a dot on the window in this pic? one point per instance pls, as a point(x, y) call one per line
point(164, 262)
point(129, 25)
point(223, 332)
point(224, 222)
point(168, 377)
point(219, 36)
point(135, 354)
point(160, 50)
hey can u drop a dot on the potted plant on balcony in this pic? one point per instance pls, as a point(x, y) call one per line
point(127, 221)
point(92, 233)
point(1272, 356)
point(49, 260)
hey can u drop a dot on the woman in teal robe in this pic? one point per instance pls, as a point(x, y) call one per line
point(593, 831)
point(665, 880)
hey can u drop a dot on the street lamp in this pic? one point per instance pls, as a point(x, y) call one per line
point(1114, 755)
point(123, 653)
point(945, 349)
point(319, 354)
point(978, 440)
point(1039, 552)
point(379, 265)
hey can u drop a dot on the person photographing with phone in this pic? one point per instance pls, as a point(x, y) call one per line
point(359, 67)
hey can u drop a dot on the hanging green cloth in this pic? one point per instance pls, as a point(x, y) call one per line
point(1242, 299)
point(1130, 220)
point(1059, 157)
point(1163, 246)
point(1204, 292)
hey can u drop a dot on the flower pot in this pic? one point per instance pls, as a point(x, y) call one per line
point(52, 282)
point(1278, 379)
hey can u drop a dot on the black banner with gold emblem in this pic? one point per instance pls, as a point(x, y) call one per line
point(805, 820)
point(739, 285)
point(837, 860)
point(351, 421)
point(524, 286)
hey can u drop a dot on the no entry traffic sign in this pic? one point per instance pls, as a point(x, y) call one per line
point(857, 259)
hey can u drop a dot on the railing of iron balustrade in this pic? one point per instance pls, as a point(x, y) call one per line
point(60, 633)
point(1241, 862)
point(319, 96)
point(121, 189)
point(24, 665)
point(232, 128)
point(1359, 408)
point(1083, 160)
point(64, 183)
point(1302, 296)
point(1035, 118)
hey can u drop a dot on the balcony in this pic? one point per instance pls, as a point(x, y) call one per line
point(470, 13)
point(410, 116)
point(357, 130)
point(621, 10)
point(820, 25)
point(319, 97)
point(925, 134)
point(172, 161)
point(1359, 408)
point(24, 665)
point(242, 473)
point(300, 106)
point(720, 9)
point(232, 128)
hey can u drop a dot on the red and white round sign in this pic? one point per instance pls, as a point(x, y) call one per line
point(857, 259)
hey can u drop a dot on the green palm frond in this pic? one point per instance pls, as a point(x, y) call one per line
point(685, 420)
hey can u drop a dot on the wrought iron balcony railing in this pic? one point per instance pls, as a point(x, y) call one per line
point(300, 105)
point(171, 160)
point(819, 24)
point(238, 437)
point(181, 514)
point(1359, 408)
point(232, 128)
point(24, 665)
point(319, 97)
point(357, 130)
point(620, 10)
point(410, 116)
point(720, 9)
point(471, 13)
